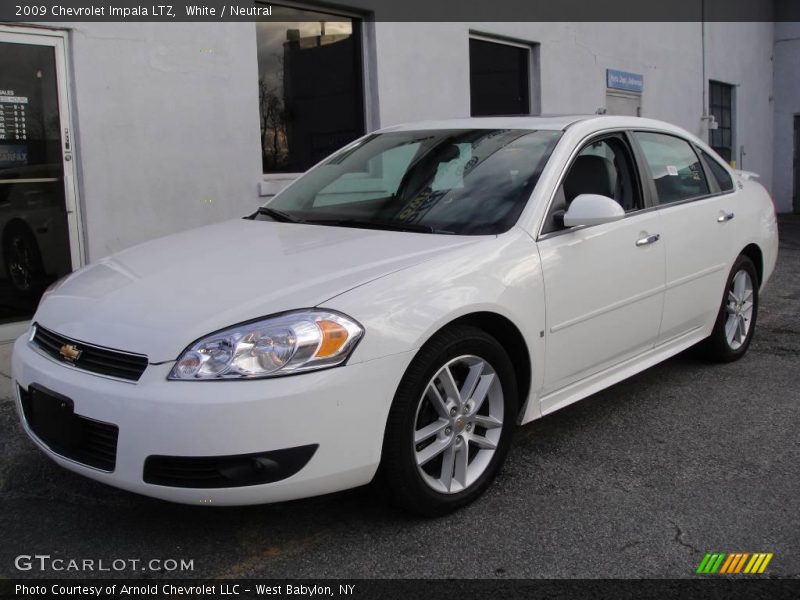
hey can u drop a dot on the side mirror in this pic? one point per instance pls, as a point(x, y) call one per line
point(592, 209)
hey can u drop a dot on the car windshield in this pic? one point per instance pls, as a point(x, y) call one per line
point(466, 182)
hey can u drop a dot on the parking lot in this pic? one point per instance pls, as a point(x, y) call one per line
point(640, 480)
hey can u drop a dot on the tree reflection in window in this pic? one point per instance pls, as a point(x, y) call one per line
point(310, 87)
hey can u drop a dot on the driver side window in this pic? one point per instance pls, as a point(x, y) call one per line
point(603, 166)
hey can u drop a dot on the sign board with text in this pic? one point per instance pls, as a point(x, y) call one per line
point(623, 80)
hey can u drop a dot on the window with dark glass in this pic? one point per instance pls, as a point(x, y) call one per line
point(604, 166)
point(721, 107)
point(465, 182)
point(718, 172)
point(674, 167)
point(34, 238)
point(499, 78)
point(310, 86)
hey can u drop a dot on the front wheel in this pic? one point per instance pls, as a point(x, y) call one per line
point(450, 424)
point(736, 320)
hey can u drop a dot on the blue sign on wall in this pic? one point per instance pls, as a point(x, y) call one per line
point(622, 80)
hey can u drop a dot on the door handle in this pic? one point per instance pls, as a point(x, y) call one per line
point(650, 239)
point(725, 217)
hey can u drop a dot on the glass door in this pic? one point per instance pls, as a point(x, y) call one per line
point(39, 241)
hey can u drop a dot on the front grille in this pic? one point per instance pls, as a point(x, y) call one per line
point(226, 471)
point(95, 359)
point(52, 419)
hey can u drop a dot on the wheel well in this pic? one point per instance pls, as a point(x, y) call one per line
point(505, 332)
point(753, 252)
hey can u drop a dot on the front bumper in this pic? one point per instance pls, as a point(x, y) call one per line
point(343, 410)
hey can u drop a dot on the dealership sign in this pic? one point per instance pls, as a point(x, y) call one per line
point(622, 80)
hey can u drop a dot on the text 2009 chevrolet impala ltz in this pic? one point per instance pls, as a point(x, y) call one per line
point(396, 311)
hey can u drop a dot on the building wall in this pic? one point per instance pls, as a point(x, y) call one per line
point(431, 78)
point(741, 54)
point(167, 124)
point(573, 60)
point(787, 105)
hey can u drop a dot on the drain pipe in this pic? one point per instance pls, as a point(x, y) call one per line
point(703, 50)
point(706, 121)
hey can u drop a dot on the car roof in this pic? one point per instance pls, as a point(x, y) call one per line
point(555, 122)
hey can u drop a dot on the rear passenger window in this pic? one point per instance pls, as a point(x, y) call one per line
point(675, 168)
point(718, 172)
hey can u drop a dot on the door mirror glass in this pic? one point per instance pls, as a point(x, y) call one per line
point(592, 209)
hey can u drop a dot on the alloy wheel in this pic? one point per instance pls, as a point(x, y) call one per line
point(458, 424)
point(739, 309)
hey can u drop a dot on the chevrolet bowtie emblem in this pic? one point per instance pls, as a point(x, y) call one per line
point(70, 352)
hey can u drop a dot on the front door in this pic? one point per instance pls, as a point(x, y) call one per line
point(39, 240)
point(604, 290)
point(604, 284)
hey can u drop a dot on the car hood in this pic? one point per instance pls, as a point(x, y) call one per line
point(158, 297)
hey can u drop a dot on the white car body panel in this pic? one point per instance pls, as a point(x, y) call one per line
point(500, 275)
point(184, 287)
point(594, 322)
point(583, 332)
point(699, 254)
point(187, 418)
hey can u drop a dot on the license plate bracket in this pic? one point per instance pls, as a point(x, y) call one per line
point(51, 416)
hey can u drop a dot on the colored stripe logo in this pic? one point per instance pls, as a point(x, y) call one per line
point(733, 563)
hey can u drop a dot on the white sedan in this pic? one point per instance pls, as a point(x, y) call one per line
point(396, 311)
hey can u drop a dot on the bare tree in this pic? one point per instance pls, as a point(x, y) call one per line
point(273, 119)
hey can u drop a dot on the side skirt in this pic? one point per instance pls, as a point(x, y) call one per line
point(599, 381)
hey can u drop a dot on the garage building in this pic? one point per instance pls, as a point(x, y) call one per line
point(116, 133)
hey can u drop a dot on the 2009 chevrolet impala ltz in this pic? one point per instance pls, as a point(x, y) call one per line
point(396, 311)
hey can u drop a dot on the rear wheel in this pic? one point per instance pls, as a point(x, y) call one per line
point(736, 320)
point(450, 424)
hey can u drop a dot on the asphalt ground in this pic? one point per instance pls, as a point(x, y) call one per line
point(640, 480)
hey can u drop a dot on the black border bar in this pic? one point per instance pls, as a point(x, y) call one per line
point(60, 11)
point(722, 587)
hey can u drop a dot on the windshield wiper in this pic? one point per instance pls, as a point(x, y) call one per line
point(387, 225)
point(277, 215)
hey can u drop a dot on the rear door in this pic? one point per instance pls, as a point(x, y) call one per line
point(699, 224)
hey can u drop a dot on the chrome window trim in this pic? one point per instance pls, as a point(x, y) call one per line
point(694, 148)
point(705, 157)
point(579, 146)
point(633, 213)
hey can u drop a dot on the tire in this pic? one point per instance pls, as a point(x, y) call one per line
point(463, 439)
point(726, 342)
point(23, 261)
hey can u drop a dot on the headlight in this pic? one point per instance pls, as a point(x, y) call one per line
point(289, 343)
